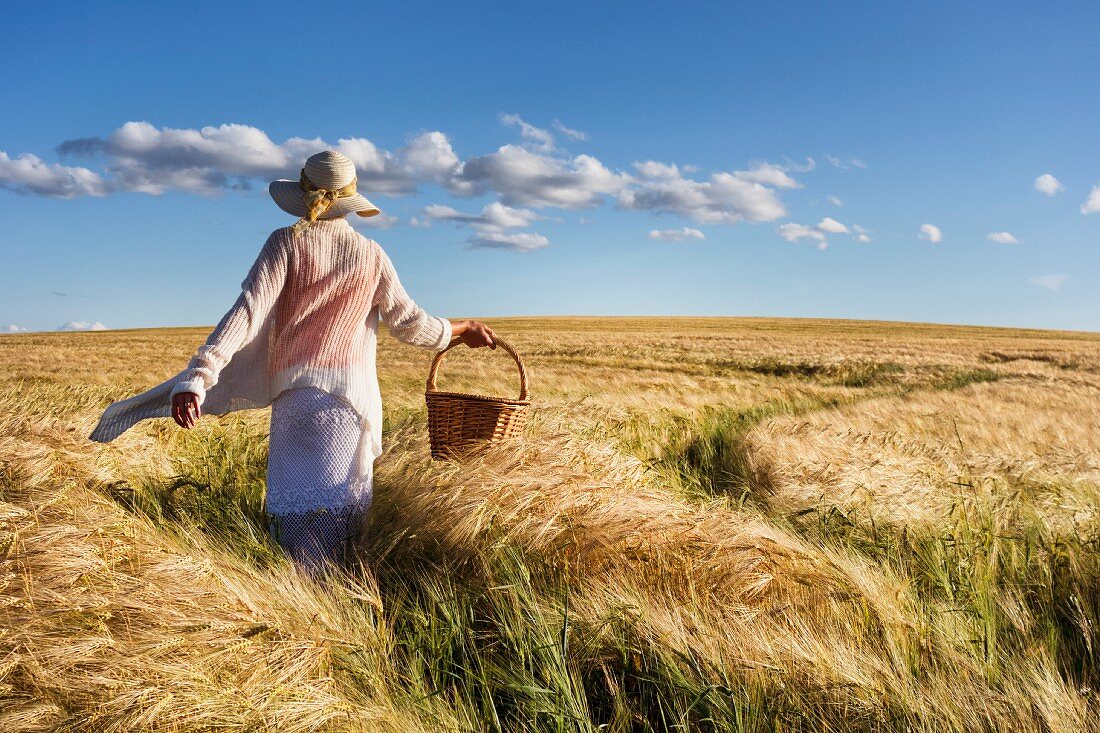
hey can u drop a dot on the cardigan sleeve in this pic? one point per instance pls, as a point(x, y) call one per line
point(406, 320)
point(239, 325)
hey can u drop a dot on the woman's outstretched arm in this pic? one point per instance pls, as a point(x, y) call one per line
point(238, 326)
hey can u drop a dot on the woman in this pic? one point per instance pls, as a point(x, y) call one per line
point(301, 337)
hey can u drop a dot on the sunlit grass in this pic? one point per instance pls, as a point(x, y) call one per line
point(743, 525)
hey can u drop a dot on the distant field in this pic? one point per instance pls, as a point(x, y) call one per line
point(713, 524)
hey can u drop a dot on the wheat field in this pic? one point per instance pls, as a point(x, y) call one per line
point(712, 524)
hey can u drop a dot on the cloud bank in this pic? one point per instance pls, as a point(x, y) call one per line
point(533, 173)
point(146, 159)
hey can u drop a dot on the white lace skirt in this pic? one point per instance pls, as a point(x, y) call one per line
point(315, 437)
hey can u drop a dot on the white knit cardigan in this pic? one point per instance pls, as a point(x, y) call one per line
point(307, 316)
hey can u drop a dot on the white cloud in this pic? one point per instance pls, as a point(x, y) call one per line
point(676, 235)
point(768, 174)
point(430, 156)
point(491, 226)
point(725, 198)
point(81, 326)
point(806, 167)
point(1002, 238)
point(527, 178)
point(569, 132)
point(540, 139)
point(515, 241)
point(852, 162)
point(418, 223)
point(12, 328)
point(30, 174)
point(832, 226)
point(152, 160)
point(1048, 184)
point(931, 233)
point(794, 232)
point(494, 214)
point(1092, 205)
point(835, 200)
point(231, 147)
point(651, 169)
point(1050, 282)
point(535, 137)
point(141, 157)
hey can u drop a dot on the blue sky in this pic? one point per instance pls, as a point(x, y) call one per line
point(565, 158)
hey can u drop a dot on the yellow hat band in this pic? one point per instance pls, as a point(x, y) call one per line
point(319, 200)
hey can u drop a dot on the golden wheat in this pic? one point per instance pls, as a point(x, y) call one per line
point(714, 524)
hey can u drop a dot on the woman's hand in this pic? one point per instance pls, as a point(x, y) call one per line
point(474, 334)
point(185, 409)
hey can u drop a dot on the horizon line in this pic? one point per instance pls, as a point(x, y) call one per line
point(637, 317)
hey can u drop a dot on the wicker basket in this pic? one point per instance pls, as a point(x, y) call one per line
point(460, 423)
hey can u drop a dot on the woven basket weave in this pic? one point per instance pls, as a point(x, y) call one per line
point(459, 424)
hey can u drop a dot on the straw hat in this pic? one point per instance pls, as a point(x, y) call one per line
point(325, 190)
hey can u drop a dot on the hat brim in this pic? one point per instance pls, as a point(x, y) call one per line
point(287, 195)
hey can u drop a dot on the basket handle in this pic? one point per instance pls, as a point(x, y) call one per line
point(499, 342)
